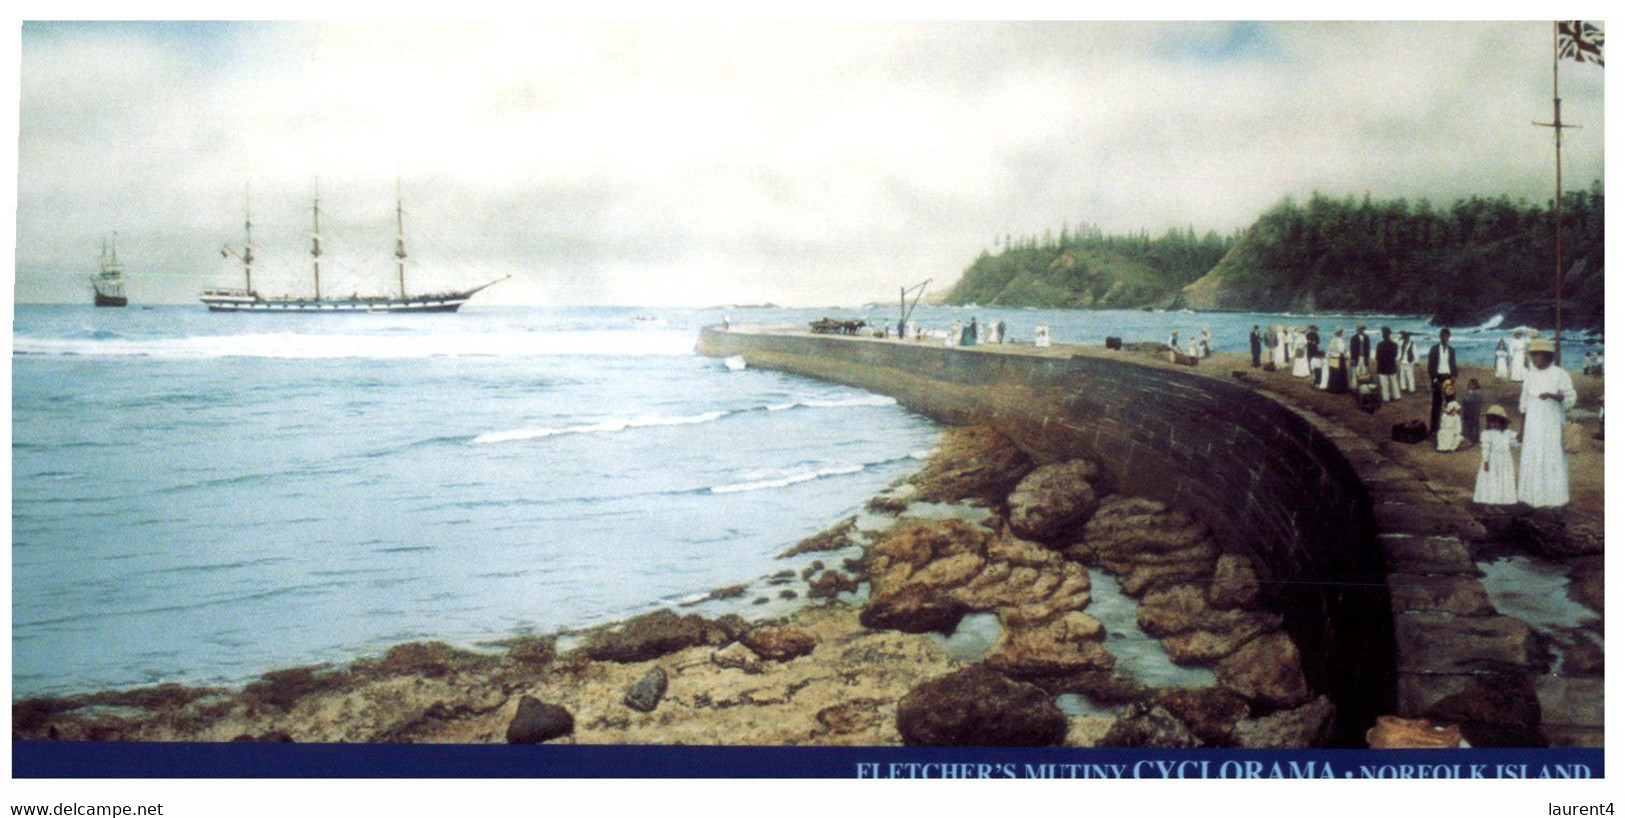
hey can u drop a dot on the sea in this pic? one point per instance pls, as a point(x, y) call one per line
point(201, 498)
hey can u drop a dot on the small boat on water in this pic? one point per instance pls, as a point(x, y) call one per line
point(109, 283)
point(247, 299)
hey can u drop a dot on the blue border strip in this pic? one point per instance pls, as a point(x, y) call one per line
point(48, 759)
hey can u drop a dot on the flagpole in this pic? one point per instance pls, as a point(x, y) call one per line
point(1557, 276)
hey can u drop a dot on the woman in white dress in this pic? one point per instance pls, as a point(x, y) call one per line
point(1300, 354)
point(1336, 351)
point(1497, 483)
point(1502, 359)
point(1519, 357)
point(1548, 393)
point(1282, 343)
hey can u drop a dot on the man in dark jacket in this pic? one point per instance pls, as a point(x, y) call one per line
point(1441, 368)
point(1388, 367)
point(1255, 342)
point(1360, 351)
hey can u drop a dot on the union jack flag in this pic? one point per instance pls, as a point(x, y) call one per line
point(1579, 41)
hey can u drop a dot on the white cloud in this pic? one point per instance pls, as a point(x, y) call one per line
point(705, 163)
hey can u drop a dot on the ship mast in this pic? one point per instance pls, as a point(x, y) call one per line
point(400, 239)
point(248, 243)
point(316, 234)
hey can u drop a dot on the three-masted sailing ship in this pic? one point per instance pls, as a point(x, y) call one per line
point(109, 283)
point(247, 299)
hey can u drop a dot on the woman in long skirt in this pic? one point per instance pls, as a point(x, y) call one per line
point(1503, 359)
point(1520, 358)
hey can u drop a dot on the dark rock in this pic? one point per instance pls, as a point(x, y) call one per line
point(787, 594)
point(725, 629)
point(645, 695)
point(1235, 585)
point(976, 707)
point(1309, 725)
point(1063, 646)
point(1102, 688)
point(1554, 534)
point(729, 592)
point(887, 505)
point(1210, 713)
point(813, 568)
point(831, 584)
point(1441, 643)
point(1429, 555)
point(432, 659)
point(648, 637)
point(284, 688)
point(971, 462)
point(779, 643)
point(268, 737)
point(1462, 596)
point(1267, 670)
point(533, 652)
point(535, 722)
point(761, 600)
point(1496, 710)
point(1146, 725)
point(1053, 500)
point(850, 717)
point(738, 657)
point(915, 609)
point(832, 539)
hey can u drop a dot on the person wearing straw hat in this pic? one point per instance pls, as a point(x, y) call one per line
point(1548, 393)
point(1497, 485)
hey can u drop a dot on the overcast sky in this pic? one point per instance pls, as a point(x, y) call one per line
point(806, 163)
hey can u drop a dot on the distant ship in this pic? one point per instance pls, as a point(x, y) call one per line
point(109, 283)
point(249, 300)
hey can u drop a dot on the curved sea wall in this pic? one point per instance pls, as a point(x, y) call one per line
point(1270, 485)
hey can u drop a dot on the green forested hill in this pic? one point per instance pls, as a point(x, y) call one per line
point(1087, 268)
point(1476, 257)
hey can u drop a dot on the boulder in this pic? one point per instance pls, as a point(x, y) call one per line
point(645, 695)
point(779, 643)
point(1267, 671)
point(830, 585)
point(971, 462)
point(1554, 534)
point(535, 722)
point(1053, 500)
point(650, 636)
point(738, 657)
point(1065, 645)
point(1308, 725)
point(914, 609)
point(1210, 713)
point(1146, 725)
point(1495, 710)
point(977, 707)
point(1235, 585)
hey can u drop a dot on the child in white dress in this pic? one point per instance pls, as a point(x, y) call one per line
point(1449, 438)
point(1497, 484)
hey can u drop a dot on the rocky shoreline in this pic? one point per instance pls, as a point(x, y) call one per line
point(874, 656)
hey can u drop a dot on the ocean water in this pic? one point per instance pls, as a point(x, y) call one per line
point(202, 498)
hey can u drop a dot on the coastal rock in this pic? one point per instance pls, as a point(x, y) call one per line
point(739, 657)
point(648, 637)
point(1435, 643)
point(1308, 725)
point(1267, 670)
point(1210, 713)
point(1235, 585)
point(1202, 648)
point(914, 609)
point(645, 695)
point(1102, 688)
point(779, 643)
point(1556, 535)
point(725, 629)
point(535, 722)
point(850, 717)
point(834, 538)
point(977, 707)
point(971, 462)
point(830, 585)
point(1194, 633)
point(1146, 545)
point(812, 568)
point(268, 737)
point(282, 689)
point(1146, 725)
point(1066, 645)
point(1496, 710)
point(1052, 500)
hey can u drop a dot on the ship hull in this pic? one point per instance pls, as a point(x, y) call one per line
point(308, 306)
point(111, 300)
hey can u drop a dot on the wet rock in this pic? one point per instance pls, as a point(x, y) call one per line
point(1428, 555)
point(1267, 670)
point(1496, 710)
point(1581, 656)
point(739, 657)
point(1441, 643)
point(977, 707)
point(1147, 545)
point(1210, 713)
point(1462, 596)
point(1053, 500)
point(1309, 725)
point(971, 462)
point(1235, 585)
point(787, 594)
point(729, 592)
point(1203, 648)
point(1066, 645)
point(535, 722)
point(779, 643)
point(432, 659)
point(1146, 725)
point(533, 652)
point(832, 539)
point(645, 695)
point(648, 637)
point(725, 629)
point(282, 689)
point(1183, 608)
point(268, 737)
point(1102, 688)
point(1557, 534)
point(914, 609)
point(830, 585)
point(1586, 582)
point(812, 568)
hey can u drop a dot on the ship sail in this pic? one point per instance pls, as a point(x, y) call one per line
point(109, 283)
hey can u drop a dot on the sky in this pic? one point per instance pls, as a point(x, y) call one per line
point(703, 163)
